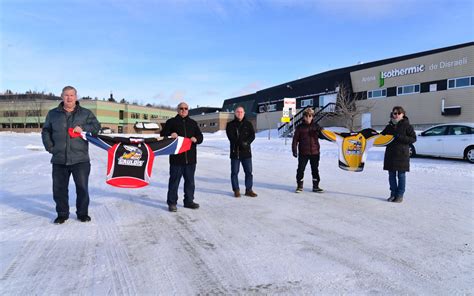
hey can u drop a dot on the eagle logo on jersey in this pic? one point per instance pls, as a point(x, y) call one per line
point(354, 147)
point(134, 152)
point(132, 157)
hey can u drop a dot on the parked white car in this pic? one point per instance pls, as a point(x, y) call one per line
point(453, 140)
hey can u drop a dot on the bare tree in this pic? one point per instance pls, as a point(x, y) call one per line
point(347, 109)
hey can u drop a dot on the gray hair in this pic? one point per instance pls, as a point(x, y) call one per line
point(69, 88)
point(177, 107)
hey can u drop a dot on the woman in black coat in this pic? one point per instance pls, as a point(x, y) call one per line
point(397, 154)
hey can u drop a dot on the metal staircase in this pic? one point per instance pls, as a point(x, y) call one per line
point(287, 129)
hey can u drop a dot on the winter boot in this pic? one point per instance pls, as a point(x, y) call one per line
point(237, 193)
point(316, 186)
point(60, 220)
point(84, 218)
point(391, 198)
point(398, 199)
point(192, 205)
point(249, 192)
point(299, 186)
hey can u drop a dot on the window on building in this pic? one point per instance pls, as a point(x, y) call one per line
point(307, 102)
point(145, 116)
point(121, 114)
point(433, 87)
point(377, 93)
point(212, 124)
point(154, 116)
point(31, 113)
point(460, 82)
point(135, 115)
point(120, 129)
point(408, 89)
point(10, 114)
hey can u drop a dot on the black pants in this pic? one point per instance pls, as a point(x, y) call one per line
point(61, 174)
point(176, 172)
point(303, 161)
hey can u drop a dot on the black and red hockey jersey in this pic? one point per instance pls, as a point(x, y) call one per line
point(130, 160)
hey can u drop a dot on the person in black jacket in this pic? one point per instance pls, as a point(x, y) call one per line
point(397, 154)
point(184, 164)
point(70, 155)
point(241, 134)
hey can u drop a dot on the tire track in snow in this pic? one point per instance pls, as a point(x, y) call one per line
point(123, 278)
point(29, 269)
point(204, 278)
point(237, 251)
point(373, 254)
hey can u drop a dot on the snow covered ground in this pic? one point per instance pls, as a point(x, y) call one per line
point(348, 240)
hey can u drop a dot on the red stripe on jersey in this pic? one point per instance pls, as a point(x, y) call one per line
point(151, 158)
point(185, 146)
point(127, 182)
point(111, 158)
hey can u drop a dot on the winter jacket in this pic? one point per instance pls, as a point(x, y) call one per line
point(184, 127)
point(397, 154)
point(56, 140)
point(306, 139)
point(240, 134)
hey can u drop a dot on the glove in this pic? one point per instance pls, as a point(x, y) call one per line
point(295, 155)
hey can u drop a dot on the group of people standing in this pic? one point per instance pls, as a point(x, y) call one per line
point(305, 147)
point(72, 156)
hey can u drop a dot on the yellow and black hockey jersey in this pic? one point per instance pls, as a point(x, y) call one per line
point(353, 146)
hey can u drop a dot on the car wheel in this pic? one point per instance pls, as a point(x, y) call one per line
point(469, 154)
point(412, 151)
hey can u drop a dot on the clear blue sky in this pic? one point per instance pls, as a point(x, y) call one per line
point(206, 51)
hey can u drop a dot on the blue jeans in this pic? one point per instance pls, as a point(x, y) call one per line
point(176, 172)
point(234, 173)
point(397, 189)
point(61, 174)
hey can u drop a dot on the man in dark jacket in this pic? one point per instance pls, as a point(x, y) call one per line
point(397, 154)
point(241, 134)
point(70, 155)
point(305, 147)
point(184, 164)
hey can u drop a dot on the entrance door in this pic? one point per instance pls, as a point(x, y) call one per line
point(366, 120)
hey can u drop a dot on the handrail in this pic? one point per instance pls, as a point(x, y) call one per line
point(297, 119)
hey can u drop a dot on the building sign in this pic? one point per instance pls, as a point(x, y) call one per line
point(289, 103)
point(399, 72)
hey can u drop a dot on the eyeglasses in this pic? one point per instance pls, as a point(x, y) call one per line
point(396, 113)
point(183, 108)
